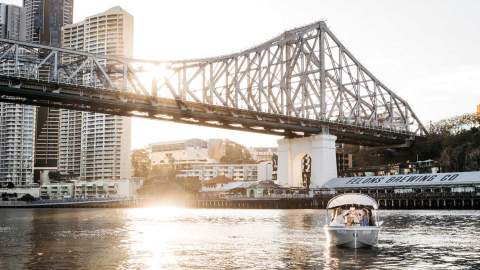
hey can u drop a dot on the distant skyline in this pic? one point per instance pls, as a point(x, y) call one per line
point(424, 50)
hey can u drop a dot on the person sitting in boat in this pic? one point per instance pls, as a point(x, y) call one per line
point(357, 217)
point(343, 217)
point(339, 218)
point(365, 220)
point(350, 216)
point(371, 222)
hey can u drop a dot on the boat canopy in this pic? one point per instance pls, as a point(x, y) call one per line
point(352, 198)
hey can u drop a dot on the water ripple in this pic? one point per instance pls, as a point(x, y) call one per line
point(159, 238)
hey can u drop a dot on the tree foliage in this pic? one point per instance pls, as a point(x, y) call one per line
point(456, 150)
point(141, 163)
point(454, 143)
point(27, 198)
point(55, 176)
point(461, 151)
point(162, 183)
point(236, 154)
point(454, 125)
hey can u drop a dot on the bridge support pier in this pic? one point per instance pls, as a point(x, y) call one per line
point(321, 149)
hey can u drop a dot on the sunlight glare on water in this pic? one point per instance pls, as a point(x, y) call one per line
point(150, 232)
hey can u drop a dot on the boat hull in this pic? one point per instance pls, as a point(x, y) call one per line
point(354, 237)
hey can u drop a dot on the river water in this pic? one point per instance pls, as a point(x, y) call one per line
point(173, 238)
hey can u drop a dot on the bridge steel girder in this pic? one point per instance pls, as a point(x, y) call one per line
point(127, 104)
point(296, 84)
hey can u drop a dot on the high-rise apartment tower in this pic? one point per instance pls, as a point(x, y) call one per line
point(44, 20)
point(16, 121)
point(103, 147)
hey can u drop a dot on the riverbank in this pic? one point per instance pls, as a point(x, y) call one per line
point(386, 201)
point(97, 203)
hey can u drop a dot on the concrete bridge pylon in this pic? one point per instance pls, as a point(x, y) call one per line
point(321, 149)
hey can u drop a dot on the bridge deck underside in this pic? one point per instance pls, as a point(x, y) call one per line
point(42, 93)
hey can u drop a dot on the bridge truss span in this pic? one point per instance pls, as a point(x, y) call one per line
point(297, 84)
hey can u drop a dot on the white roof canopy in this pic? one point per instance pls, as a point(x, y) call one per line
point(352, 198)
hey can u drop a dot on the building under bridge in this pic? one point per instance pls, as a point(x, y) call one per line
point(413, 191)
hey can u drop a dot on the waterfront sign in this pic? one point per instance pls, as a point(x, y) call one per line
point(406, 180)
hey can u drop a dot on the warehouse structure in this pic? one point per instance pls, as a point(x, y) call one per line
point(460, 190)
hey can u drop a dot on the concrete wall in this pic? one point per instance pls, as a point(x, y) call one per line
point(264, 171)
point(321, 149)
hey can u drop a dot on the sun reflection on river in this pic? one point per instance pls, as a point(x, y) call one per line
point(151, 233)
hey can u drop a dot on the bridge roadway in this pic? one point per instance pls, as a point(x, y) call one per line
point(48, 94)
point(301, 83)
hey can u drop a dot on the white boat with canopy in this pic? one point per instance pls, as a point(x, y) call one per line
point(352, 221)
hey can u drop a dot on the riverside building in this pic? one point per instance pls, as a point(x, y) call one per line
point(16, 144)
point(43, 22)
point(236, 172)
point(17, 125)
point(263, 153)
point(183, 152)
point(12, 22)
point(413, 191)
point(89, 190)
point(102, 151)
point(201, 159)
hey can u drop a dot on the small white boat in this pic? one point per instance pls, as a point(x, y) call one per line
point(352, 221)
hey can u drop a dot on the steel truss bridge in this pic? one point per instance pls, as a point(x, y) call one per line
point(300, 83)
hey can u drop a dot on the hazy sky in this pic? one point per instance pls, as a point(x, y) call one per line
point(427, 51)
